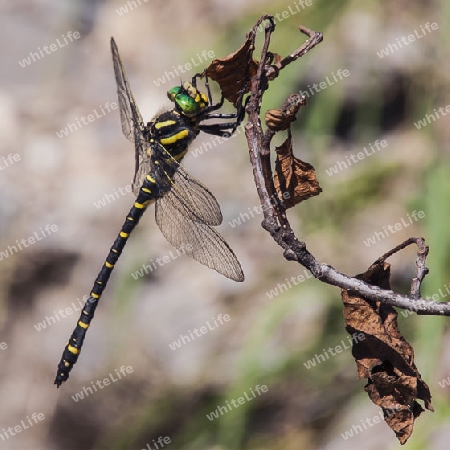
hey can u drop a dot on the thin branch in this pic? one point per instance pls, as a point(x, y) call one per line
point(422, 253)
point(275, 220)
point(314, 39)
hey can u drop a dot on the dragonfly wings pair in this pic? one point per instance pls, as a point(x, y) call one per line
point(186, 211)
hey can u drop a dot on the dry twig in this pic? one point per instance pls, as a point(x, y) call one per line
point(384, 357)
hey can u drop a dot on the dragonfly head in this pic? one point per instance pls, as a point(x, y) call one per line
point(188, 99)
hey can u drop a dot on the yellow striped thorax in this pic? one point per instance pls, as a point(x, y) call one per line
point(188, 99)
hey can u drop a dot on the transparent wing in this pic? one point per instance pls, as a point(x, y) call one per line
point(130, 116)
point(194, 201)
point(132, 123)
point(195, 238)
point(142, 165)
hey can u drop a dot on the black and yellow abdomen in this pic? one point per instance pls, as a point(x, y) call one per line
point(173, 132)
point(148, 193)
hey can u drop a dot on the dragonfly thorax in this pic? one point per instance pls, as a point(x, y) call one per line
point(188, 99)
point(173, 131)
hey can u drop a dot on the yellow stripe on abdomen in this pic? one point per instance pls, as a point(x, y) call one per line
point(174, 138)
point(73, 350)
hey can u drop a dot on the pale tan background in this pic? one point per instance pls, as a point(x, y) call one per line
point(267, 341)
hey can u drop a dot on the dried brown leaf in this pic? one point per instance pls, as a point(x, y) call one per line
point(281, 119)
point(293, 176)
point(234, 72)
point(384, 356)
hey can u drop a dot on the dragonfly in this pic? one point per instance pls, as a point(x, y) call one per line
point(185, 210)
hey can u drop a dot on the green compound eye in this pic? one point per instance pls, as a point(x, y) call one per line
point(172, 93)
point(189, 102)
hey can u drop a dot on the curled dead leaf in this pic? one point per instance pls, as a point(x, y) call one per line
point(281, 119)
point(234, 72)
point(384, 356)
point(294, 180)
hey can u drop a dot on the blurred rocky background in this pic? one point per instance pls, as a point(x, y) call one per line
point(281, 322)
